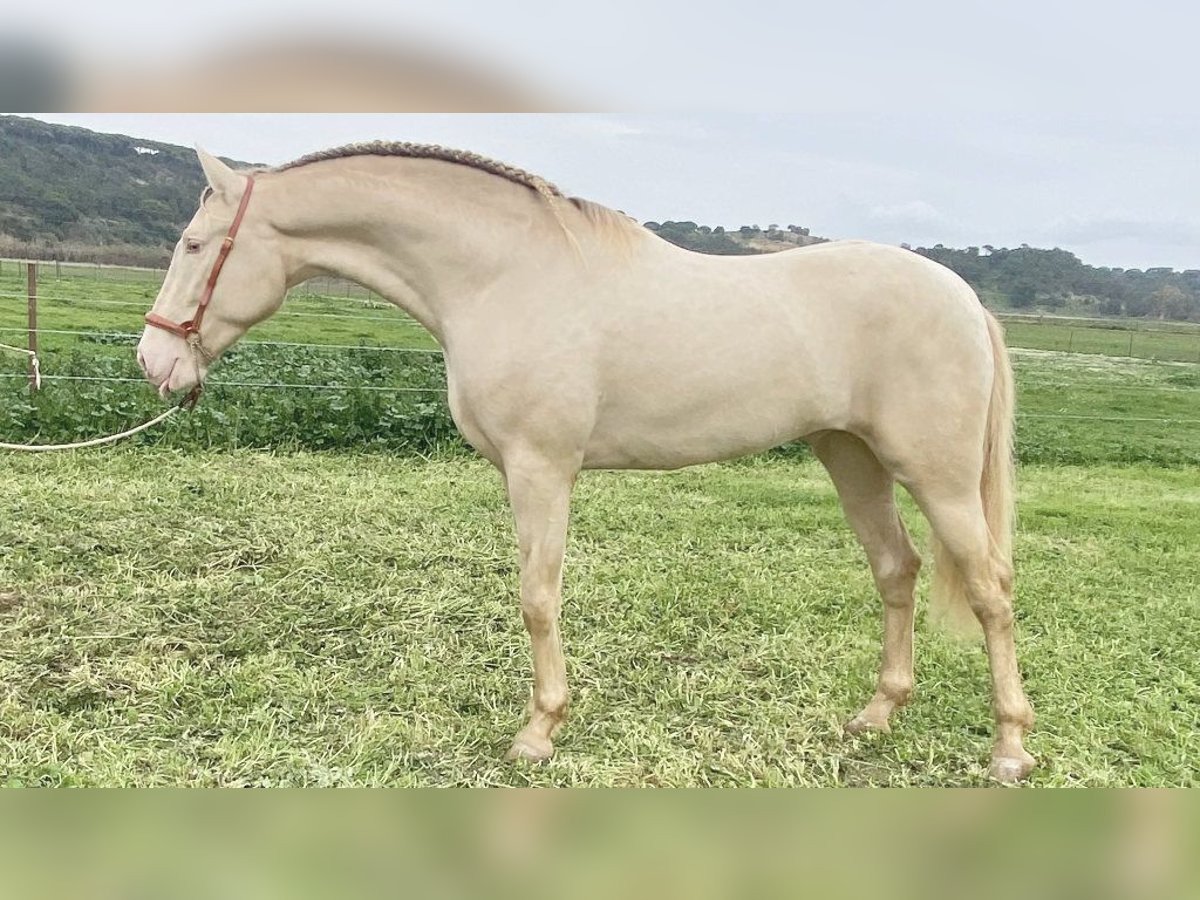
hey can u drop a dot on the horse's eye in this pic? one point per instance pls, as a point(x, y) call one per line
point(192, 246)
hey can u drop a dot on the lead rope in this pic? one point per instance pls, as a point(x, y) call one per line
point(187, 402)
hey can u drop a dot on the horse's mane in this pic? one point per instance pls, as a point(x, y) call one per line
point(600, 216)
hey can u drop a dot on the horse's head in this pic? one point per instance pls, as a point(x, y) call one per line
point(227, 274)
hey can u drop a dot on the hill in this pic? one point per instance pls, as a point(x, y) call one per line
point(73, 193)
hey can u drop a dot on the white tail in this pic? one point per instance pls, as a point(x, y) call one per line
point(948, 605)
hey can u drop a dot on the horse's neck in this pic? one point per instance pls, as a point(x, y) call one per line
point(427, 246)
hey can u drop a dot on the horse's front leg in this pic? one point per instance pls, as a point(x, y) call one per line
point(540, 493)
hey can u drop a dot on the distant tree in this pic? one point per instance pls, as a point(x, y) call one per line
point(1023, 294)
point(1172, 302)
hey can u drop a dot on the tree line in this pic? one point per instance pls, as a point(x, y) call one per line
point(1031, 278)
point(1022, 278)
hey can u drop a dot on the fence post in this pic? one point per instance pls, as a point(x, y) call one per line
point(1131, 344)
point(32, 270)
point(1070, 339)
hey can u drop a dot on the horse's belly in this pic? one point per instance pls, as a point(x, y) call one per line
point(680, 422)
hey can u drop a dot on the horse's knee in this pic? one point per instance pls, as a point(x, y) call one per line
point(539, 610)
point(539, 617)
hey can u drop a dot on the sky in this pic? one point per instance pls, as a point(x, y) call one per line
point(1047, 122)
point(1115, 195)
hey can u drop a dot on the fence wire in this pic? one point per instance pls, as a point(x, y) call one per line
point(314, 386)
point(249, 343)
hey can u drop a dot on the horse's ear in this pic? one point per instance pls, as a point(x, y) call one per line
point(221, 178)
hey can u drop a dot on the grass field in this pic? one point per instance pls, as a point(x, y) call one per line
point(254, 619)
point(1083, 409)
point(1128, 338)
point(238, 617)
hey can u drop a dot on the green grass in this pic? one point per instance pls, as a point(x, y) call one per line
point(1072, 408)
point(1083, 409)
point(258, 619)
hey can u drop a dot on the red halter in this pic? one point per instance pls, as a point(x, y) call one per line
point(190, 330)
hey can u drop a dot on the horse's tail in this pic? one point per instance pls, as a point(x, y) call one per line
point(948, 601)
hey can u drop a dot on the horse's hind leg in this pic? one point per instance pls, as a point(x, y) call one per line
point(867, 492)
point(957, 518)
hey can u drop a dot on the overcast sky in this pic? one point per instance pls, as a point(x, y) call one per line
point(1117, 189)
point(1049, 122)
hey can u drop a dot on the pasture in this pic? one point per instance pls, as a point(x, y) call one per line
point(1134, 339)
point(321, 619)
point(220, 604)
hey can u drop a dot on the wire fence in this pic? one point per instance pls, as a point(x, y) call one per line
point(55, 270)
point(131, 335)
point(72, 288)
point(1132, 339)
point(217, 382)
point(143, 305)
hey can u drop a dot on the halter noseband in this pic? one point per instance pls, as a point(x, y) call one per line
point(190, 330)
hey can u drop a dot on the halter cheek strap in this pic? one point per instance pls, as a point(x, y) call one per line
point(190, 330)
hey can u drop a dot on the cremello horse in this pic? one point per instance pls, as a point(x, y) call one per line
point(575, 339)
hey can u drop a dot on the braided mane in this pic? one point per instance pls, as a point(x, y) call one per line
point(598, 215)
point(429, 151)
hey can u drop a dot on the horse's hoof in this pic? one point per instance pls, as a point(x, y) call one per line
point(862, 725)
point(1010, 770)
point(530, 748)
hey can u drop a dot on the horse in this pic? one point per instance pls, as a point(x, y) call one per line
point(576, 339)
